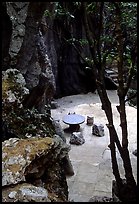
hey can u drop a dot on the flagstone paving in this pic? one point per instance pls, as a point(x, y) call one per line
point(92, 160)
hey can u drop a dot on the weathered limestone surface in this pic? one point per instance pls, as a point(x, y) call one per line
point(25, 192)
point(17, 120)
point(34, 153)
point(18, 13)
point(32, 160)
point(26, 50)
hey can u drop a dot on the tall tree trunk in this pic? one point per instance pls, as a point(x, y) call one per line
point(126, 192)
point(103, 96)
point(121, 108)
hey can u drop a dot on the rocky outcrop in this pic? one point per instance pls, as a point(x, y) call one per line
point(17, 12)
point(39, 44)
point(13, 31)
point(19, 121)
point(25, 192)
point(25, 50)
point(71, 74)
point(35, 158)
point(36, 161)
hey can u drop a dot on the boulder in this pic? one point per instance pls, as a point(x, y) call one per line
point(25, 192)
point(58, 129)
point(66, 160)
point(77, 138)
point(36, 161)
point(98, 130)
point(90, 120)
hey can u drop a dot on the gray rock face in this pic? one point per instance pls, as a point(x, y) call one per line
point(33, 162)
point(67, 165)
point(69, 70)
point(19, 157)
point(101, 199)
point(18, 121)
point(77, 138)
point(27, 51)
point(17, 12)
point(25, 193)
point(33, 193)
point(59, 130)
point(98, 130)
point(13, 84)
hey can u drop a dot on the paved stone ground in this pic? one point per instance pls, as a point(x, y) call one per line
point(91, 160)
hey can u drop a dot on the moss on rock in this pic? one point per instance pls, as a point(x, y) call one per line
point(22, 122)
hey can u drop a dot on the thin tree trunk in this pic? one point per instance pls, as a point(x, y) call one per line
point(103, 97)
point(121, 107)
point(99, 73)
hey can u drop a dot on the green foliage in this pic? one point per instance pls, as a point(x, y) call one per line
point(129, 25)
point(78, 4)
point(91, 7)
point(47, 13)
point(58, 12)
point(83, 42)
point(107, 37)
point(61, 11)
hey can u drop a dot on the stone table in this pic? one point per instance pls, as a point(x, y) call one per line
point(74, 121)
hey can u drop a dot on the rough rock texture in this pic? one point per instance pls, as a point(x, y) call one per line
point(69, 171)
point(18, 154)
point(40, 158)
point(18, 121)
point(25, 192)
point(35, 159)
point(33, 61)
point(40, 47)
point(58, 129)
point(24, 50)
point(98, 130)
point(13, 86)
point(77, 138)
point(17, 12)
point(71, 74)
point(102, 199)
point(6, 36)
point(13, 31)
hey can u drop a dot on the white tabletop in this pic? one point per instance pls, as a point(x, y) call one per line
point(73, 119)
